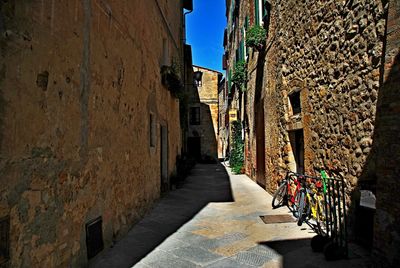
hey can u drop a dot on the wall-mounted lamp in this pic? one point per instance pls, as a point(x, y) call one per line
point(197, 76)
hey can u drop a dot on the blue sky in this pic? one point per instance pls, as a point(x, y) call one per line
point(205, 31)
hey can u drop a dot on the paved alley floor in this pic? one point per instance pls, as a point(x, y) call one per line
point(214, 221)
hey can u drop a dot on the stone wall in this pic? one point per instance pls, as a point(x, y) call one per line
point(78, 81)
point(330, 52)
point(222, 120)
point(339, 60)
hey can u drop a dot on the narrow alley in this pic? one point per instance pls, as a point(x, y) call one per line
point(214, 221)
point(119, 119)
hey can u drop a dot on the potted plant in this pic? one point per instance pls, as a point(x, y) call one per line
point(170, 77)
point(239, 77)
point(255, 37)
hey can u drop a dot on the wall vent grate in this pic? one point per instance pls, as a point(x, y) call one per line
point(94, 237)
point(4, 239)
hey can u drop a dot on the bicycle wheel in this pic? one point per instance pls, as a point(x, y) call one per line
point(302, 208)
point(279, 198)
point(321, 219)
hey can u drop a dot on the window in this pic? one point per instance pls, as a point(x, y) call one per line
point(4, 240)
point(266, 14)
point(246, 27)
point(295, 103)
point(261, 12)
point(195, 115)
point(152, 126)
point(165, 53)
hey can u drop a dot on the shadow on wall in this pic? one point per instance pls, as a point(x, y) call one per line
point(202, 141)
point(210, 148)
point(205, 184)
point(259, 119)
point(381, 174)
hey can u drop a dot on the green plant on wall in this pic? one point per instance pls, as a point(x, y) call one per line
point(239, 77)
point(237, 148)
point(255, 37)
point(171, 78)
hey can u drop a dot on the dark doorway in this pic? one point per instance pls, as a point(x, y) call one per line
point(297, 143)
point(194, 147)
point(260, 146)
point(164, 158)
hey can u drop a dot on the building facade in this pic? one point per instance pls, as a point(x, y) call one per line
point(203, 114)
point(223, 121)
point(89, 123)
point(313, 90)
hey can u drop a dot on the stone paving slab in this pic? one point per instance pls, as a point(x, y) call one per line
point(227, 263)
point(163, 259)
point(172, 244)
point(252, 259)
point(197, 255)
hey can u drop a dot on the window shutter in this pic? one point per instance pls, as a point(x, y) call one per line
point(256, 13)
point(241, 48)
point(229, 81)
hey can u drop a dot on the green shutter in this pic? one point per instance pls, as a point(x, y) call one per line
point(242, 49)
point(256, 13)
point(229, 81)
point(246, 23)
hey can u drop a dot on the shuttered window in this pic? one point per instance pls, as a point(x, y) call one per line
point(256, 12)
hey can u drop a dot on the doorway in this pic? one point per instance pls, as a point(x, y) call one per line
point(194, 147)
point(297, 143)
point(164, 159)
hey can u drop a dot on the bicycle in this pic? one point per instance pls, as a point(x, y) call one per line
point(312, 203)
point(287, 192)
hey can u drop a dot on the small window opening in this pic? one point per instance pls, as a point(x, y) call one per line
point(94, 237)
point(195, 115)
point(165, 53)
point(4, 240)
point(295, 103)
point(152, 127)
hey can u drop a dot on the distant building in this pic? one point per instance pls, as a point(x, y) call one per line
point(203, 114)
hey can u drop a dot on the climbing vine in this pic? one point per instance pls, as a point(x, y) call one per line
point(237, 148)
point(239, 77)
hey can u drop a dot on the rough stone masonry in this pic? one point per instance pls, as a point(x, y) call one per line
point(339, 58)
